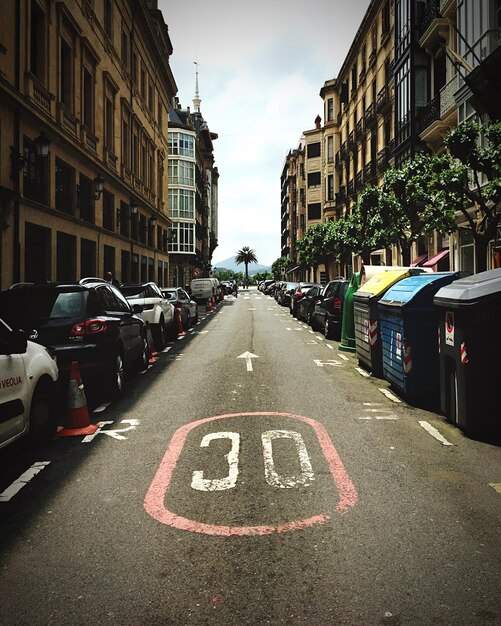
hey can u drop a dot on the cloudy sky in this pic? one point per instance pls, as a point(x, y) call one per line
point(261, 67)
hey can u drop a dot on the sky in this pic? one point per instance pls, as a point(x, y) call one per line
point(261, 65)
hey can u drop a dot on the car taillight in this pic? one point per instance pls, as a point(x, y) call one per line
point(298, 295)
point(336, 304)
point(89, 327)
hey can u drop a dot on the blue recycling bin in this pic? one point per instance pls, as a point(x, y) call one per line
point(409, 336)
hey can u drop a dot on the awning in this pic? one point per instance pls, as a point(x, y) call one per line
point(419, 260)
point(435, 259)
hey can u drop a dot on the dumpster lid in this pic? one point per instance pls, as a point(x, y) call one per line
point(382, 281)
point(407, 289)
point(470, 289)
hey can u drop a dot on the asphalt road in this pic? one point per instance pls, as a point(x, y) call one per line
point(280, 488)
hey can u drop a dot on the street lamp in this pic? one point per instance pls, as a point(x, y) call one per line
point(133, 206)
point(98, 186)
point(19, 161)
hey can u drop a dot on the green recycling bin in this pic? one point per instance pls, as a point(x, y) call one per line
point(470, 348)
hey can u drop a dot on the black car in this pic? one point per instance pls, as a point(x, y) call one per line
point(307, 303)
point(91, 323)
point(328, 312)
point(284, 294)
point(298, 294)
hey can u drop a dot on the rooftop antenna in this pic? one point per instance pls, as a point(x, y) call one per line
point(196, 99)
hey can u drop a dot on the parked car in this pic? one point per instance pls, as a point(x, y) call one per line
point(28, 388)
point(91, 323)
point(307, 303)
point(269, 288)
point(328, 312)
point(156, 310)
point(182, 301)
point(265, 283)
point(202, 289)
point(284, 294)
point(297, 295)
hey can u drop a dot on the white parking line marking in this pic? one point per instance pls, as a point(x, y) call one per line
point(101, 407)
point(311, 343)
point(23, 480)
point(496, 487)
point(390, 396)
point(362, 372)
point(328, 345)
point(343, 356)
point(434, 433)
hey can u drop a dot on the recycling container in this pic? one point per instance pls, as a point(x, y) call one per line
point(366, 314)
point(348, 323)
point(409, 341)
point(470, 351)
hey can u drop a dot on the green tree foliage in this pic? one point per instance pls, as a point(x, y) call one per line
point(472, 182)
point(282, 262)
point(246, 255)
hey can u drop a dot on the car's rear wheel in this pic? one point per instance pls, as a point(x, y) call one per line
point(117, 376)
point(159, 334)
point(142, 362)
point(43, 420)
point(328, 329)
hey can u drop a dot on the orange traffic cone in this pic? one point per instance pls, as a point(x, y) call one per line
point(151, 344)
point(180, 330)
point(208, 306)
point(77, 415)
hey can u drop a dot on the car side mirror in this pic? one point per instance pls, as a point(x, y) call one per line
point(18, 342)
point(137, 309)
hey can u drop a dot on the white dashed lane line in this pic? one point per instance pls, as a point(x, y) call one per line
point(434, 433)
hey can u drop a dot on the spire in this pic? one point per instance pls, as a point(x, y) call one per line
point(196, 99)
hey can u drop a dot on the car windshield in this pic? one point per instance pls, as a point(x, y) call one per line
point(21, 305)
point(169, 295)
point(134, 291)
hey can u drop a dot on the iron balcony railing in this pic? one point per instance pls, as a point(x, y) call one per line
point(431, 12)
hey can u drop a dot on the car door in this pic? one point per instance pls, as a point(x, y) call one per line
point(13, 389)
point(322, 307)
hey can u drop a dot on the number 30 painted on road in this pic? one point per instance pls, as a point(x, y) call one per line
point(273, 479)
point(154, 501)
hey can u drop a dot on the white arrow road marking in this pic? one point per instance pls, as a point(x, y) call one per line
point(22, 481)
point(248, 356)
point(114, 433)
point(434, 433)
point(329, 362)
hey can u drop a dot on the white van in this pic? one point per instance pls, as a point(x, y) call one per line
point(28, 391)
point(202, 289)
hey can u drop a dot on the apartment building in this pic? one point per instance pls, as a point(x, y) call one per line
point(85, 87)
point(193, 185)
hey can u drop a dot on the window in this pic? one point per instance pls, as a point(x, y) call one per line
point(160, 113)
point(330, 187)
point(151, 98)
point(314, 179)
point(124, 53)
point(109, 134)
point(135, 151)
point(87, 257)
point(314, 211)
point(182, 144)
point(330, 110)
point(183, 238)
point(108, 210)
point(108, 18)
point(37, 41)
point(65, 185)
point(66, 74)
point(35, 174)
point(181, 172)
point(330, 149)
point(66, 258)
point(181, 203)
point(313, 150)
point(85, 199)
point(125, 142)
point(88, 98)
point(403, 104)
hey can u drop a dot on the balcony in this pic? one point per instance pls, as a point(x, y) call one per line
point(344, 150)
point(369, 172)
point(359, 179)
point(370, 115)
point(372, 58)
point(361, 76)
point(351, 140)
point(382, 160)
point(428, 114)
point(360, 128)
point(433, 27)
point(351, 187)
point(447, 100)
point(383, 101)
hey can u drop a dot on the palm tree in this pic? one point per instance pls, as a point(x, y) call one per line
point(246, 255)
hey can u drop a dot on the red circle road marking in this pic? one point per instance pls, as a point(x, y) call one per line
point(154, 499)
